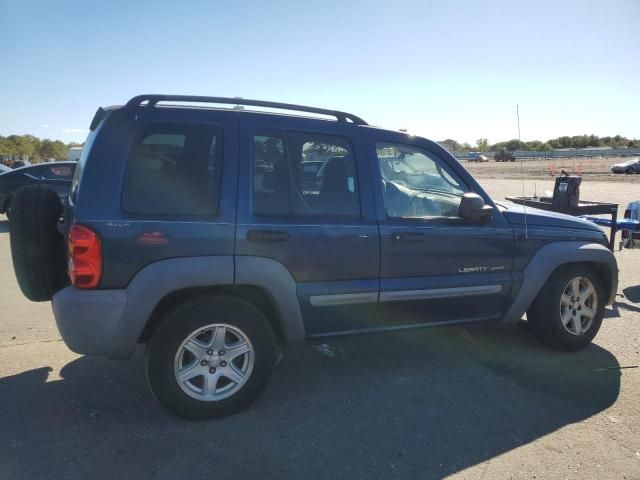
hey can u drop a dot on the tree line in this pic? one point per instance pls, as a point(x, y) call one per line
point(577, 141)
point(38, 149)
point(35, 148)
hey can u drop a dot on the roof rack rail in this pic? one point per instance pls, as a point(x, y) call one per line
point(152, 100)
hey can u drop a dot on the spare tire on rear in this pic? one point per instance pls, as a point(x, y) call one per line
point(37, 247)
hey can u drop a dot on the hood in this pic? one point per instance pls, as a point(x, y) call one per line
point(543, 218)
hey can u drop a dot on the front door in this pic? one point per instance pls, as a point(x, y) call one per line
point(435, 267)
point(305, 200)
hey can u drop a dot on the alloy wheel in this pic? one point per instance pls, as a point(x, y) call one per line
point(578, 305)
point(214, 362)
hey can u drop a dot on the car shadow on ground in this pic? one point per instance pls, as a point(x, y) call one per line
point(632, 293)
point(4, 226)
point(413, 405)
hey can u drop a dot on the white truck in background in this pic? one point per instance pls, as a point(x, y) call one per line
point(73, 154)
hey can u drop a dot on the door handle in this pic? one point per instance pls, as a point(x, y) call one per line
point(267, 236)
point(407, 236)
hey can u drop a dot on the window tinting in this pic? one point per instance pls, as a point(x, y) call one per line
point(417, 184)
point(304, 174)
point(270, 176)
point(174, 169)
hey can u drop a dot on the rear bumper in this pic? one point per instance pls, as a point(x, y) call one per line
point(88, 319)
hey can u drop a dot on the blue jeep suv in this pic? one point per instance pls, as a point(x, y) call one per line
point(219, 233)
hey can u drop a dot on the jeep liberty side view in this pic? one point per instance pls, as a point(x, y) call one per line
point(219, 233)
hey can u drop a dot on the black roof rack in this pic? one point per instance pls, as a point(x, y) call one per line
point(153, 99)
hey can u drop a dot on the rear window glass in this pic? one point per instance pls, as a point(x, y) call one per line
point(55, 171)
point(174, 169)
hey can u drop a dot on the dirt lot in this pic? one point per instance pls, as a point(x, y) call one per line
point(592, 169)
point(616, 192)
point(465, 403)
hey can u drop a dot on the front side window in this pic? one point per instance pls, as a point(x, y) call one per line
point(174, 169)
point(304, 174)
point(417, 184)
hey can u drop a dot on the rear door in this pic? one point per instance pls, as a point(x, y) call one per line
point(305, 200)
point(435, 267)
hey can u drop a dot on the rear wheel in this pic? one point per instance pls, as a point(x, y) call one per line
point(568, 311)
point(7, 208)
point(37, 248)
point(211, 357)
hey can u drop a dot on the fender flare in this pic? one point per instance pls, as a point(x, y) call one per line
point(157, 280)
point(273, 277)
point(547, 259)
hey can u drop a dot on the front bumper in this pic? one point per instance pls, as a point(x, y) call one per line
point(88, 319)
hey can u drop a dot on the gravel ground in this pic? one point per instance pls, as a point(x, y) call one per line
point(620, 193)
point(464, 403)
point(592, 169)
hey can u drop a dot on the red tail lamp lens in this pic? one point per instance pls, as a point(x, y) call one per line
point(85, 257)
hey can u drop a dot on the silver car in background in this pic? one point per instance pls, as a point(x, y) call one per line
point(630, 166)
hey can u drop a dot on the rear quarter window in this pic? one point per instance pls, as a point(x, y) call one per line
point(174, 169)
point(77, 174)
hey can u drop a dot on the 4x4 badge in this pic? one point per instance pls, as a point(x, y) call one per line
point(118, 224)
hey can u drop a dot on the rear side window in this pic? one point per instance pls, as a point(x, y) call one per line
point(174, 169)
point(304, 174)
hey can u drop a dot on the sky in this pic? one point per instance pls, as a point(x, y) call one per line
point(445, 69)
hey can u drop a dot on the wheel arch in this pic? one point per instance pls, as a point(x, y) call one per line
point(264, 282)
point(256, 296)
point(554, 256)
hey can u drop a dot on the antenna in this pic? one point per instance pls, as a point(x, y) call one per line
point(526, 228)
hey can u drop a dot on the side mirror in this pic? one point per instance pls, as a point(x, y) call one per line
point(473, 208)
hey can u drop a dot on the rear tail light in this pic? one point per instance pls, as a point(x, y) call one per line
point(85, 257)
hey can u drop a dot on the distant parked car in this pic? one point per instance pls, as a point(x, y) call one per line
point(478, 157)
point(630, 166)
point(55, 175)
point(504, 156)
point(21, 163)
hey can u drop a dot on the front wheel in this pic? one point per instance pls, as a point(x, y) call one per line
point(211, 357)
point(568, 311)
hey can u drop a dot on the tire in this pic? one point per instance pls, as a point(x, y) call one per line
point(545, 314)
point(7, 208)
point(37, 248)
point(629, 171)
point(167, 352)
